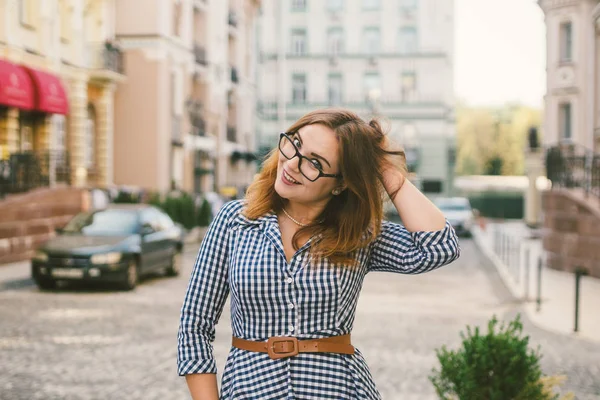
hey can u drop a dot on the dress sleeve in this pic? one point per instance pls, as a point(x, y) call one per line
point(205, 298)
point(398, 250)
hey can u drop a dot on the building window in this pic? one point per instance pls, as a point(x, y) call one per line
point(407, 40)
point(177, 18)
point(565, 121)
point(372, 41)
point(26, 10)
point(335, 5)
point(335, 89)
point(298, 42)
point(408, 85)
point(65, 20)
point(298, 5)
point(566, 41)
point(372, 86)
point(335, 41)
point(371, 4)
point(90, 138)
point(299, 88)
point(408, 4)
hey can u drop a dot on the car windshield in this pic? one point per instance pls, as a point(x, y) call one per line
point(104, 223)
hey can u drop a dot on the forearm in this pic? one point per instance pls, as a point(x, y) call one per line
point(417, 212)
point(203, 386)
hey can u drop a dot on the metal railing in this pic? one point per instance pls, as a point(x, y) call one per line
point(24, 171)
point(105, 56)
point(573, 166)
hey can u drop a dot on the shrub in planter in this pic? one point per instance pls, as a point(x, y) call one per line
point(203, 214)
point(124, 197)
point(181, 209)
point(498, 365)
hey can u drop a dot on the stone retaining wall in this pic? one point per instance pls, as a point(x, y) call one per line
point(572, 231)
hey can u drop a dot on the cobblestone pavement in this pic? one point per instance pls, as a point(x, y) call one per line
point(96, 343)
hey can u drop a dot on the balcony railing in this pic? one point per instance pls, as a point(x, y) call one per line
point(105, 56)
point(234, 75)
point(28, 170)
point(200, 54)
point(573, 167)
point(232, 134)
point(232, 19)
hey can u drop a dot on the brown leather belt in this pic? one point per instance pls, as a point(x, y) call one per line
point(288, 346)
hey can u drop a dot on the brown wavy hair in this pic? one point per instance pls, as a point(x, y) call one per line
point(351, 220)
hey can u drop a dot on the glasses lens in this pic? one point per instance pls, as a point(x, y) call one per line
point(287, 148)
point(309, 170)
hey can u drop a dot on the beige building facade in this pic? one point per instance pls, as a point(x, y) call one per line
point(59, 73)
point(572, 101)
point(185, 118)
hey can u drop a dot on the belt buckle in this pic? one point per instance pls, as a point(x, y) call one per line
point(274, 354)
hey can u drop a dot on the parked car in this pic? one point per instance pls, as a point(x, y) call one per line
point(458, 212)
point(118, 244)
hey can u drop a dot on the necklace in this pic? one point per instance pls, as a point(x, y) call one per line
point(293, 220)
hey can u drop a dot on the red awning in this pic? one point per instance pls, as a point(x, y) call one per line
point(50, 93)
point(16, 89)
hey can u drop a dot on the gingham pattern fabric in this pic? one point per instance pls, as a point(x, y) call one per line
point(271, 297)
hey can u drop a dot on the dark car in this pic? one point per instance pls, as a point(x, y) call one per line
point(118, 244)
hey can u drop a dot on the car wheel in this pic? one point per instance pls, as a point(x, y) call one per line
point(132, 276)
point(46, 284)
point(175, 267)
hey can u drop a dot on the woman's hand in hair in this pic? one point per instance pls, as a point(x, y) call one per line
point(393, 180)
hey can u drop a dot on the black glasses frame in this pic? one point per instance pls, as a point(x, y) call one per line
point(301, 157)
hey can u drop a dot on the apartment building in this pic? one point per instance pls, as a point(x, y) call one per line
point(572, 101)
point(389, 58)
point(185, 119)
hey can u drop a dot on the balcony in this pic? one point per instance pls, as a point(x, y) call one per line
point(105, 61)
point(200, 54)
point(234, 75)
point(232, 134)
point(176, 131)
point(195, 111)
point(232, 19)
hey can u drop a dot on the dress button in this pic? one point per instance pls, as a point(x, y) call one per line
point(291, 305)
point(291, 328)
point(289, 280)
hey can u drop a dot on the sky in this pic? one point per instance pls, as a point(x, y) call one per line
point(500, 52)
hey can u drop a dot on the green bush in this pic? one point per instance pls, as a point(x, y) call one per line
point(204, 214)
point(126, 198)
point(181, 209)
point(495, 366)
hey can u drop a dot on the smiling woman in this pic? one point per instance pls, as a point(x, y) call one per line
point(294, 255)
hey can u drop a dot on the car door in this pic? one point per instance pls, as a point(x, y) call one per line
point(151, 240)
point(163, 238)
point(172, 237)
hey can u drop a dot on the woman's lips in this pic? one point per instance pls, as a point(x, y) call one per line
point(285, 180)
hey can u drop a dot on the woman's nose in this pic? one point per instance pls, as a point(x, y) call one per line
point(294, 164)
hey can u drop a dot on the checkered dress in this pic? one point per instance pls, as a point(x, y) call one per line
point(271, 297)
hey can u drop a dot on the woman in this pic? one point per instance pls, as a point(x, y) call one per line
point(294, 255)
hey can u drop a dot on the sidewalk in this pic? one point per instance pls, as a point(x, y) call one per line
point(516, 256)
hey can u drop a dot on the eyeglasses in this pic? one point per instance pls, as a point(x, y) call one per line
point(311, 169)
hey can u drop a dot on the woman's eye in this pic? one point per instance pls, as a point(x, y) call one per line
point(317, 164)
point(297, 143)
